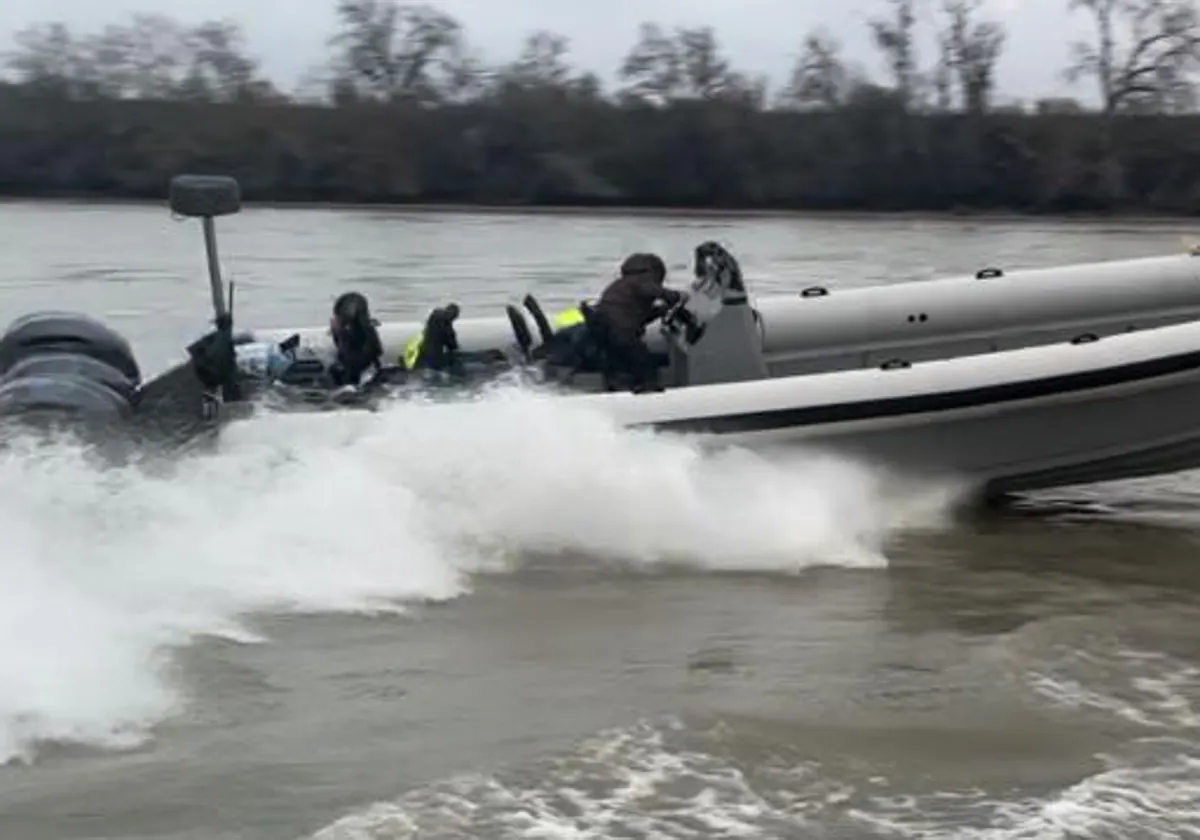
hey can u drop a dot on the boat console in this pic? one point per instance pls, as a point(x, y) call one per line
point(714, 335)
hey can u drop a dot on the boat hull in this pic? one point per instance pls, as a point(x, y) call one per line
point(1118, 408)
point(1037, 379)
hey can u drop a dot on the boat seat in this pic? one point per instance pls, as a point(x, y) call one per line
point(520, 330)
point(539, 318)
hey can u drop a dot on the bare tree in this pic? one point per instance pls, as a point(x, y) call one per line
point(392, 51)
point(972, 50)
point(895, 36)
point(464, 72)
point(367, 39)
point(542, 62)
point(687, 65)
point(706, 72)
point(653, 68)
point(146, 58)
point(943, 74)
point(819, 78)
point(150, 57)
point(48, 58)
point(220, 68)
point(1144, 55)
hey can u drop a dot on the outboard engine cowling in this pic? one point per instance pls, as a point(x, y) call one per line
point(73, 364)
point(67, 332)
point(61, 365)
point(43, 396)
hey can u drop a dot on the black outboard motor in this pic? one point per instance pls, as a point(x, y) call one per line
point(57, 366)
point(70, 371)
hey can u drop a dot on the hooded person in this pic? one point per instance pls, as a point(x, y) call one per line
point(635, 299)
point(436, 347)
point(356, 339)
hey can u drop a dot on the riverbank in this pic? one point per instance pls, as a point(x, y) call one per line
point(562, 154)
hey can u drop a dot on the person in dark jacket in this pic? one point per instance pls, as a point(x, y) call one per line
point(572, 346)
point(356, 339)
point(436, 348)
point(632, 301)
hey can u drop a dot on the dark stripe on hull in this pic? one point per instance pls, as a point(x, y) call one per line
point(762, 421)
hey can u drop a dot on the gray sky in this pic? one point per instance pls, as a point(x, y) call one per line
point(760, 36)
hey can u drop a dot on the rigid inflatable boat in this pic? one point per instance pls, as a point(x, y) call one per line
point(1014, 381)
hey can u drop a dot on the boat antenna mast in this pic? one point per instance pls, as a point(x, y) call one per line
point(205, 197)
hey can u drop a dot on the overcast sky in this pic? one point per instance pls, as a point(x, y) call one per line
point(760, 36)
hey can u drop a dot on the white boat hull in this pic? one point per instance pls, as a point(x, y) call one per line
point(1031, 380)
point(1117, 408)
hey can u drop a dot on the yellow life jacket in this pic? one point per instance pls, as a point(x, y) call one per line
point(568, 318)
point(412, 350)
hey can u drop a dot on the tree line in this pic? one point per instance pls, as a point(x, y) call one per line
point(406, 111)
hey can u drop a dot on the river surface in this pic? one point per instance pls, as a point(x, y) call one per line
point(519, 622)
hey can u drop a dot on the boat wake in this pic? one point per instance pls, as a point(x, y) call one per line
point(671, 778)
point(104, 571)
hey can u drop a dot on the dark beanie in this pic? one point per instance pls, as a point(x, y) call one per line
point(644, 264)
